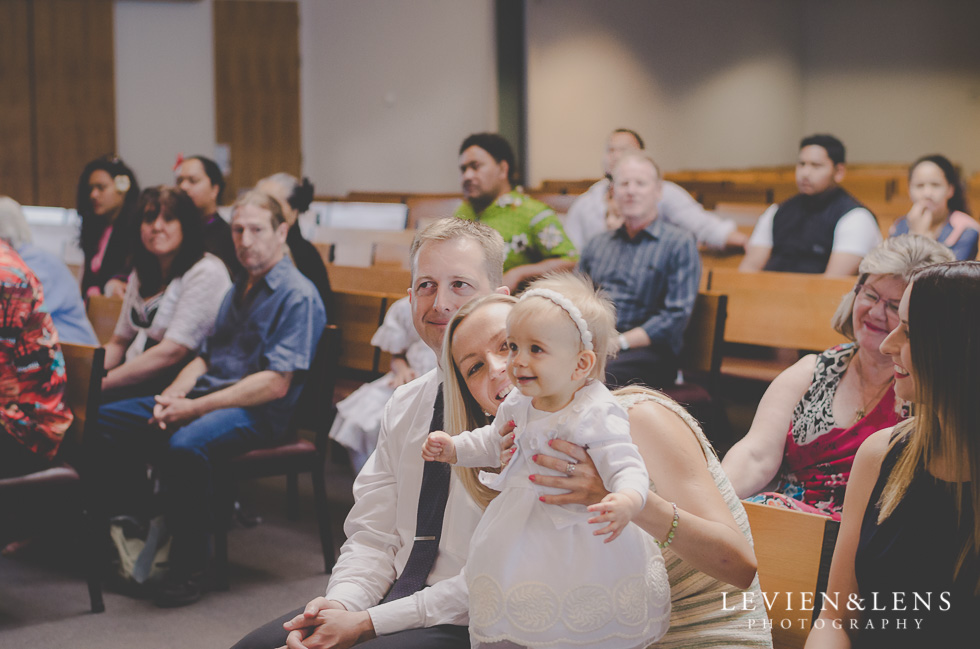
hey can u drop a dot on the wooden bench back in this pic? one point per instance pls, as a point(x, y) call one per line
point(84, 369)
point(103, 313)
point(790, 310)
point(793, 550)
point(705, 333)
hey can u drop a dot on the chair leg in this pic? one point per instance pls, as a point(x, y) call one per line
point(222, 521)
point(323, 514)
point(92, 525)
point(292, 495)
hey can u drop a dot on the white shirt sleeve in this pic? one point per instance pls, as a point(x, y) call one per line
point(203, 289)
point(857, 232)
point(124, 327)
point(762, 233)
point(480, 447)
point(678, 207)
point(381, 525)
point(587, 215)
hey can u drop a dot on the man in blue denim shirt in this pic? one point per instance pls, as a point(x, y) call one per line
point(237, 395)
point(650, 270)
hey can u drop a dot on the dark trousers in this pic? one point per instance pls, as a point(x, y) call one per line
point(186, 457)
point(653, 366)
point(446, 636)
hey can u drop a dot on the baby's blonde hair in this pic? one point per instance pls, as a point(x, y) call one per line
point(597, 311)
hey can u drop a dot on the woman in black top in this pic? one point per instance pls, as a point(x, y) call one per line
point(905, 571)
point(295, 198)
point(106, 202)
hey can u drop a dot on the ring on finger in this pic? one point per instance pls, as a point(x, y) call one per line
point(569, 468)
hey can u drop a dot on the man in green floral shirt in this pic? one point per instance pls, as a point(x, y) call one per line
point(536, 241)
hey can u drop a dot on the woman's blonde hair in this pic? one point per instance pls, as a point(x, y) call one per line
point(944, 341)
point(597, 311)
point(461, 410)
point(897, 256)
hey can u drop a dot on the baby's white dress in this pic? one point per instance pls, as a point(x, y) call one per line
point(358, 420)
point(536, 574)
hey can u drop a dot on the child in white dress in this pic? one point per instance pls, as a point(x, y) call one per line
point(540, 575)
point(358, 420)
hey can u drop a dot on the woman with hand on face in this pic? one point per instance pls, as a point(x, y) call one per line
point(939, 209)
point(814, 415)
point(691, 508)
point(295, 198)
point(909, 543)
point(171, 300)
point(106, 203)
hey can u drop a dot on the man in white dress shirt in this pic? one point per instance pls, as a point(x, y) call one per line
point(587, 216)
point(452, 261)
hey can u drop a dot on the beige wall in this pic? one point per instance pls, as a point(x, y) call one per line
point(389, 88)
point(895, 79)
point(716, 84)
point(164, 85)
point(668, 70)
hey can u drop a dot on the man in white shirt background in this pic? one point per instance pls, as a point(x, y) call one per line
point(587, 215)
point(823, 229)
point(452, 261)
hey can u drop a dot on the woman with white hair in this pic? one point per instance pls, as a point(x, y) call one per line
point(814, 416)
point(61, 296)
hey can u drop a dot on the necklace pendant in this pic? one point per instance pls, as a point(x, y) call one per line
point(859, 414)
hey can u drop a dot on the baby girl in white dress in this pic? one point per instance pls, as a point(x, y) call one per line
point(540, 575)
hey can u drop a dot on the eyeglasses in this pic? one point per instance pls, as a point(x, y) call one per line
point(870, 297)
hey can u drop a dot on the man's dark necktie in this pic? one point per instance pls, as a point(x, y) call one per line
point(428, 527)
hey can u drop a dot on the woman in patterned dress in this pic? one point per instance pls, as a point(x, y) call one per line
point(814, 416)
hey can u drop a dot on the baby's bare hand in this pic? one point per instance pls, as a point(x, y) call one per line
point(439, 447)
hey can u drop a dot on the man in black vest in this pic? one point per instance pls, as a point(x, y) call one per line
point(823, 229)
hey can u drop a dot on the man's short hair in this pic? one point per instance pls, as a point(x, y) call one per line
point(636, 136)
point(830, 144)
point(264, 201)
point(639, 155)
point(451, 228)
point(498, 148)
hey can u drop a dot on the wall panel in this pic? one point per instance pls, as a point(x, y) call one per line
point(16, 147)
point(74, 91)
point(256, 64)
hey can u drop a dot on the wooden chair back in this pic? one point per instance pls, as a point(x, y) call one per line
point(793, 550)
point(358, 316)
point(705, 334)
point(103, 313)
point(84, 369)
point(790, 310)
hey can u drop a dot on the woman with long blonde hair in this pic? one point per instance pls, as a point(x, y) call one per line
point(692, 511)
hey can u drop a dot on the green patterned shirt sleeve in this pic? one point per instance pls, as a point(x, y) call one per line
point(530, 229)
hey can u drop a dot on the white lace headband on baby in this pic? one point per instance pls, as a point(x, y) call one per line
point(569, 308)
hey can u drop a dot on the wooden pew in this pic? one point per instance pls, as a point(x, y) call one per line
point(363, 297)
point(103, 313)
point(350, 247)
point(425, 208)
point(791, 310)
point(793, 550)
point(566, 186)
point(786, 312)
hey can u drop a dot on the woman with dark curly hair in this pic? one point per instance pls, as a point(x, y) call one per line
point(106, 202)
point(171, 300)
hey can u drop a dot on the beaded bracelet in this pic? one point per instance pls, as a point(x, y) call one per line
point(673, 528)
